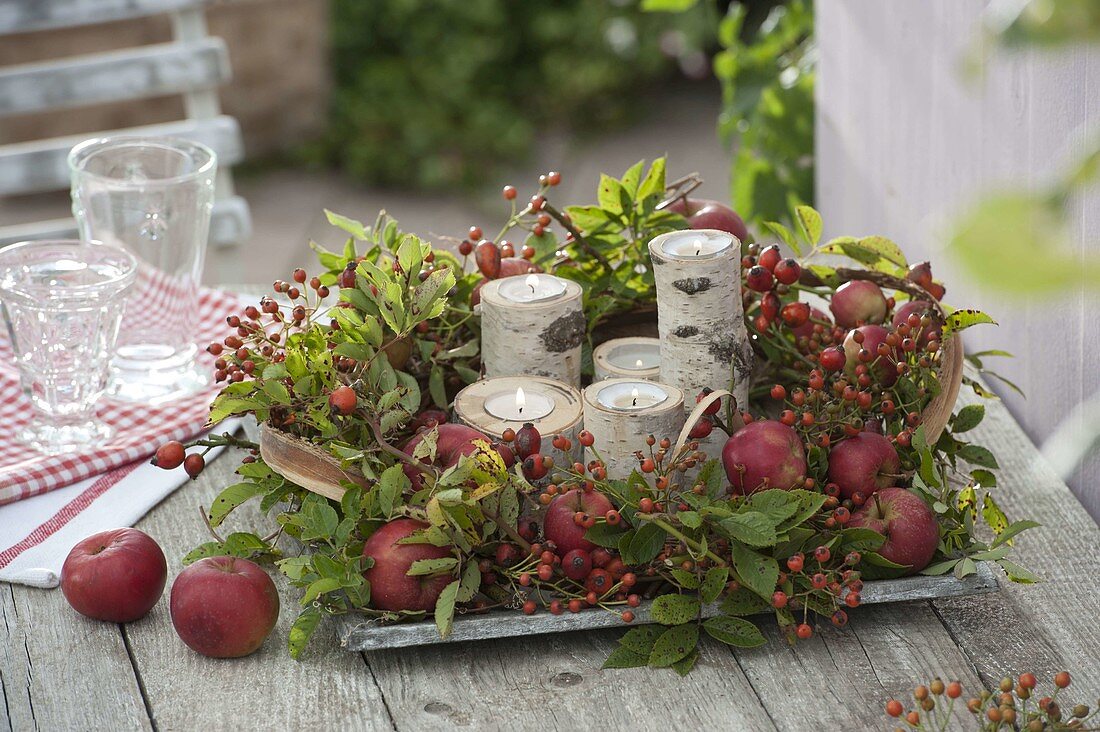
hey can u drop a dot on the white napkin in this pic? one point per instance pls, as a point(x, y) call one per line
point(36, 534)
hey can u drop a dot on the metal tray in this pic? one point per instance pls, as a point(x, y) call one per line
point(359, 634)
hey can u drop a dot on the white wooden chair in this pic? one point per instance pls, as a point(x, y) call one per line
point(193, 65)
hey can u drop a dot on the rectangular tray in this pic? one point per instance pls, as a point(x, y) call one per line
point(360, 634)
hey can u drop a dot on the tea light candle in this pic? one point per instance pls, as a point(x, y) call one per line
point(532, 288)
point(494, 405)
point(700, 320)
point(519, 407)
point(621, 413)
point(639, 358)
point(532, 327)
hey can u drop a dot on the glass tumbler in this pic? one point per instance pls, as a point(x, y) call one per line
point(153, 198)
point(62, 303)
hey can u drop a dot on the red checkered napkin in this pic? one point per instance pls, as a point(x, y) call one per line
point(139, 429)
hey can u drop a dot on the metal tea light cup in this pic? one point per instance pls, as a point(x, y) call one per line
point(152, 197)
point(62, 302)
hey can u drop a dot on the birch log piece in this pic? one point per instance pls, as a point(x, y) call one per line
point(636, 358)
point(620, 428)
point(527, 335)
point(704, 342)
point(477, 407)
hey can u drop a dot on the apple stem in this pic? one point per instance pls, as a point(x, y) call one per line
point(669, 529)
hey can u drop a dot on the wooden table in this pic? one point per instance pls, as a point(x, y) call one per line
point(60, 671)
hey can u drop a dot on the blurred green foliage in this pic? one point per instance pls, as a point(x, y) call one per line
point(436, 92)
point(766, 68)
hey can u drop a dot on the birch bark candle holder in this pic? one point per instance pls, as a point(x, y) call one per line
point(635, 358)
point(532, 325)
point(494, 405)
point(621, 413)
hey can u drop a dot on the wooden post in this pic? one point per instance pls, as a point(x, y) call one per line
point(565, 419)
point(704, 341)
point(538, 338)
point(620, 432)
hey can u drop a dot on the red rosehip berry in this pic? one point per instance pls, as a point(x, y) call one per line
point(529, 607)
point(465, 248)
point(795, 562)
point(475, 233)
point(193, 464)
point(702, 428)
point(599, 581)
point(343, 400)
point(894, 708)
point(822, 554)
point(770, 305)
point(170, 455)
point(795, 314)
point(587, 438)
point(804, 631)
point(613, 518)
point(553, 177)
point(527, 440)
point(832, 359)
point(509, 193)
point(1028, 680)
point(779, 599)
point(954, 690)
point(628, 616)
point(770, 257)
point(645, 505)
point(760, 279)
point(487, 256)
point(1062, 679)
point(787, 272)
point(778, 392)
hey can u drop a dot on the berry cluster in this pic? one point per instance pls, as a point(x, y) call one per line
point(1012, 707)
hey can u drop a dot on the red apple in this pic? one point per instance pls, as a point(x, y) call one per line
point(806, 330)
point(906, 521)
point(706, 214)
point(864, 463)
point(115, 575)
point(858, 301)
point(509, 267)
point(454, 440)
point(559, 527)
point(391, 588)
point(884, 369)
point(764, 454)
point(224, 607)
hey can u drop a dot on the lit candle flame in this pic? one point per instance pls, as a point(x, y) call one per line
point(532, 281)
point(698, 247)
point(634, 397)
point(521, 400)
point(638, 364)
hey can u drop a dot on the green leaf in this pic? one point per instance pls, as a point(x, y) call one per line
point(445, 609)
point(654, 182)
point(713, 583)
point(609, 194)
point(231, 498)
point(1010, 532)
point(734, 631)
point(978, 455)
point(302, 630)
point(351, 226)
point(471, 582)
point(1019, 574)
point(779, 505)
point(752, 528)
point(968, 418)
point(940, 568)
point(755, 571)
point(674, 644)
point(684, 578)
point(690, 519)
point(675, 609)
point(641, 640)
point(962, 319)
point(432, 566)
point(320, 587)
point(209, 549)
point(685, 664)
point(744, 601)
point(623, 657)
point(784, 234)
point(667, 6)
point(646, 543)
point(810, 220)
point(436, 387)
point(605, 535)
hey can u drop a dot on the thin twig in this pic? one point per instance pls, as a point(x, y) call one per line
point(209, 526)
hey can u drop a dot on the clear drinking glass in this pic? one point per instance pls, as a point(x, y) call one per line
point(152, 197)
point(62, 302)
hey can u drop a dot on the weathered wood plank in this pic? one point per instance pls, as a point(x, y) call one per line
point(60, 670)
point(20, 16)
point(230, 223)
point(555, 682)
point(147, 71)
point(328, 689)
point(42, 165)
point(358, 634)
point(841, 678)
point(1050, 626)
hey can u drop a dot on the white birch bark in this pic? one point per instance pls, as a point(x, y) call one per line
point(619, 434)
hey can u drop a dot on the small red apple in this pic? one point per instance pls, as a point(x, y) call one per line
point(453, 441)
point(864, 463)
point(764, 454)
point(906, 521)
point(706, 214)
point(858, 301)
point(391, 588)
point(224, 607)
point(884, 368)
point(559, 527)
point(115, 575)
